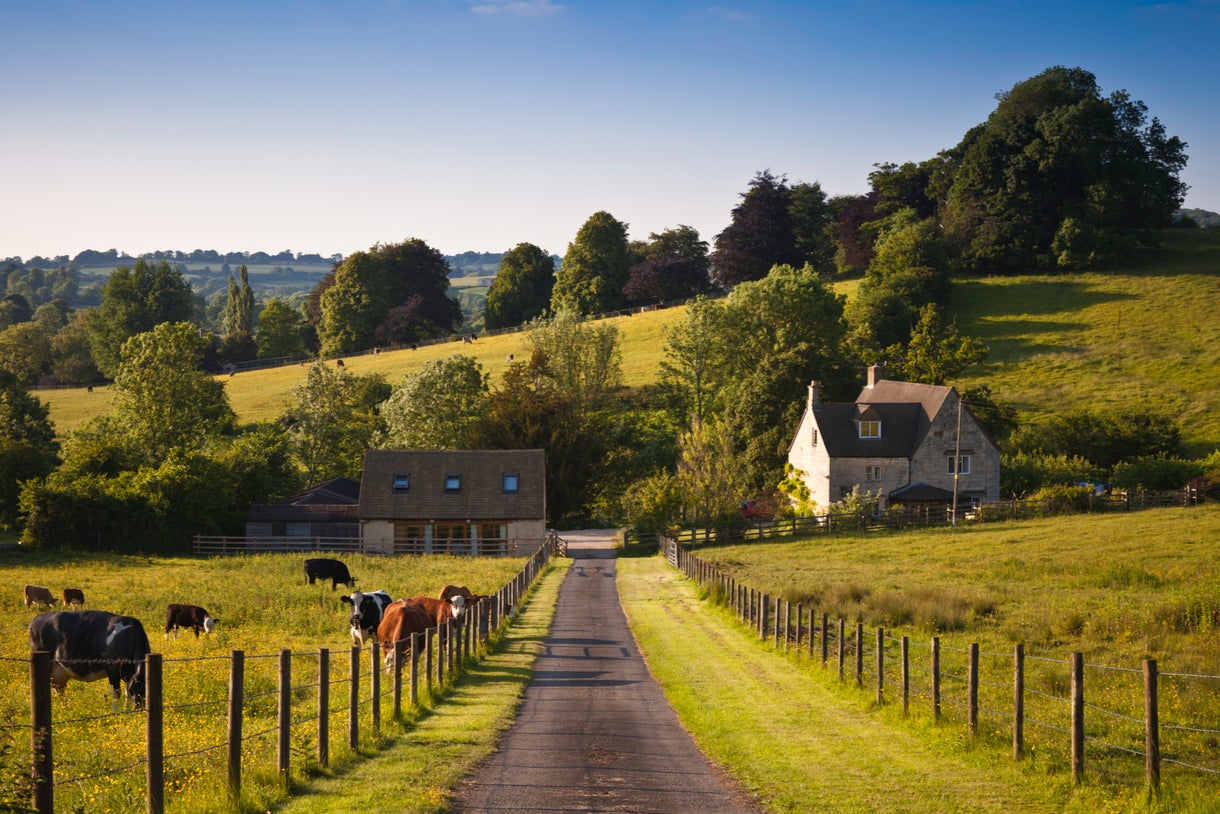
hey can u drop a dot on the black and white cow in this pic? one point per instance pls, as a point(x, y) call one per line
point(187, 616)
point(334, 570)
point(366, 614)
point(92, 644)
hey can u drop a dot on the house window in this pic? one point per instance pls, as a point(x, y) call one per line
point(453, 483)
point(870, 429)
point(872, 472)
point(815, 438)
point(402, 481)
point(511, 483)
point(963, 465)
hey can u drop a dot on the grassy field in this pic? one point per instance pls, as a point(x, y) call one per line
point(1138, 337)
point(1115, 588)
point(263, 605)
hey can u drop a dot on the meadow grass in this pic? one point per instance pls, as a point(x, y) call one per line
point(1116, 588)
point(264, 606)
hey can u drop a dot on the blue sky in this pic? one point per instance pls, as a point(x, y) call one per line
point(475, 125)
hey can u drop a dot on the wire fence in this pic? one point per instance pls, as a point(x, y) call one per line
point(208, 722)
point(1067, 713)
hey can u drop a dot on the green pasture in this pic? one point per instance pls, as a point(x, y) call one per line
point(263, 605)
point(1116, 588)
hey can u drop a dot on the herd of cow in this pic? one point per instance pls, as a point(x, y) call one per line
point(88, 645)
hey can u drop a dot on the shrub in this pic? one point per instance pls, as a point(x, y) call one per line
point(1155, 473)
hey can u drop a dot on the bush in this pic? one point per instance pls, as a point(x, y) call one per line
point(1025, 473)
point(1057, 500)
point(1156, 473)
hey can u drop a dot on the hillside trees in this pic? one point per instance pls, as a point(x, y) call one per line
point(522, 288)
point(594, 269)
point(136, 300)
point(392, 293)
point(28, 448)
point(1059, 175)
point(25, 351)
point(435, 407)
point(331, 423)
point(694, 360)
point(674, 267)
point(281, 331)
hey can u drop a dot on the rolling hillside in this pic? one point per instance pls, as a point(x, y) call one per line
point(1142, 336)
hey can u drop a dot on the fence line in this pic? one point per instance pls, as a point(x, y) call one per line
point(770, 620)
point(447, 652)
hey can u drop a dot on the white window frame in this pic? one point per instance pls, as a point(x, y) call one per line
point(872, 472)
point(872, 425)
point(963, 467)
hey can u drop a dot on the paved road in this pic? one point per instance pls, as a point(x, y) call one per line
point(595, 733)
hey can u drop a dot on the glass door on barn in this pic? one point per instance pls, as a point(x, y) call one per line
point(451, 538)
point(409, 538)
point(492, 542)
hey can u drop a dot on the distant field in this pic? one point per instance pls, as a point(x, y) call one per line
point(1142, 337)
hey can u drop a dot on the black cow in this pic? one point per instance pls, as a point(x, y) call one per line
point(334, 570)
point(184, 616)
point(366, 614)
point(89, 644)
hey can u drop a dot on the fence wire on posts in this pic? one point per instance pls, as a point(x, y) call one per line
point(1088, 713)
point(279, 701)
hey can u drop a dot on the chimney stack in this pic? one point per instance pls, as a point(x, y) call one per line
point(815, 395)
point(875, 374)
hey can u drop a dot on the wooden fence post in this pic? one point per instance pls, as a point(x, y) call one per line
point(825, 640)
point(416, 639)
point(396, 679)
point(154, 710)
point(353, 699)
point(237, 673)
point(429, 635)
point(442, 652)
point(1077, 717)
point(972, 691)
point(775, 642)
point(764, 603)
point(284, 715)
point(1018, 701)
point(859, 654)
point(1152, 731)
point(841, 650)
point(906, 676)
point(935, 678)
point(375, 686)
point(880, 666)
point(43, 767)
point(323, 707)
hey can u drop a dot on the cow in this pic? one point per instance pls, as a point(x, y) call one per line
point(184, 616)
point(450, 591)
point(334, 570)
point(405, 617)
point(89, 644)
point(74, 596)
point(38, 595)
point(366, 614)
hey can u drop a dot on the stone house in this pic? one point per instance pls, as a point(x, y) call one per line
point(911, 445)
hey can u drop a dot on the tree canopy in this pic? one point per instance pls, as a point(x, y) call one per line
point(136, 300)
point(435, 407)
point(594, 269)
point(522, 287)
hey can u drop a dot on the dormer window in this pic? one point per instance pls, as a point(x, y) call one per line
point(402, 481)
point(453, 483)
point(870, 429)
point(512, 483)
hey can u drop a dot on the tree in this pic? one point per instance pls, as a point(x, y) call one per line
point(594, 269)
point(812, 225)
point(239, 308)
point(759, 236)
point(136, 300)
point(691, 370)
point(329, 425)
point(522, 288)
point(935, 353)
point(281, 331)
point(25, 351)
point(163, 402)
point(581, 361)
point(1059, 175)
point(72, 351)
point(436, 407)
point(28, 449)
point(708, 474)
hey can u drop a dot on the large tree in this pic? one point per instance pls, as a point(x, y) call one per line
point(759, 236)
point(692, 369)
point(28, 449)
point(522, 288)
point(25, 351)
point(594, 269)
point(281, 331)
point(436, 407)
point(1059, 175)
point(330, 424)
point(136, 300)
point(674, 267)
point(239, 308)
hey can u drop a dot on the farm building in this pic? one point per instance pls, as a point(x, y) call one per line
point(912, 445)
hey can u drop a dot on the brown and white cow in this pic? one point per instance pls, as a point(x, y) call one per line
point(184, 616)
point(38, 595)
point(74, 596)
point(450, 591)
point(405, 617)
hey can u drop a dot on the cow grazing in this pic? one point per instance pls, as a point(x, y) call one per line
point(334, 570)
point(91, 644)
point(405, 617)
point(367, 610)
point(187, 616)
point(74, 596)
point(38, 595)
point(450, 591)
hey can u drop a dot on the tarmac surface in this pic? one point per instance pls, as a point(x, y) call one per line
point(594, 732)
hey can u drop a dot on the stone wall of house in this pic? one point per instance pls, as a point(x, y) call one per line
point(931, 461)
point(811, 459)
point(847, 472)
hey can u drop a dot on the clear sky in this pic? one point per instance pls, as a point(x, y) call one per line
point(475, 125)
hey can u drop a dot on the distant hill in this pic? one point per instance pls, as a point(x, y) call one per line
point(1202, 217)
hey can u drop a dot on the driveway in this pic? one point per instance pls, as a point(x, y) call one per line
point(594, 732)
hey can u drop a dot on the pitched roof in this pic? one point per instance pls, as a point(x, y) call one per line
point(333, 501)
point(929, 397)
point(838, 427)
point(481, 495)
point(336, 491)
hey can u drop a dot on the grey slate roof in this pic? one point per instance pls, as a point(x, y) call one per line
point(481, 496)
point(332, 501)
point(929, 397)
point(838, 429)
